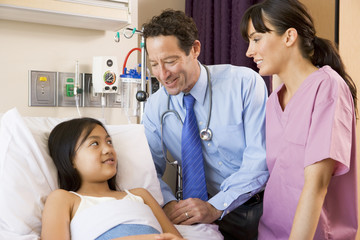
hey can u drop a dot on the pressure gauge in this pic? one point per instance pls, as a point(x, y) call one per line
point(109, 77)
point(105, 74)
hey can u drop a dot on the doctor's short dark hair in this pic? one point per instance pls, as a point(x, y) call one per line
point(173, 23)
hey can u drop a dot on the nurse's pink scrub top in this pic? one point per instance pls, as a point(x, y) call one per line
point(317, 123)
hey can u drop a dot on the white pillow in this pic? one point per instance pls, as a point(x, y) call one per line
point(28, 175)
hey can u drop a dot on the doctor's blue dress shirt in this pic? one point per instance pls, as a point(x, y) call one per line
point(234, 159)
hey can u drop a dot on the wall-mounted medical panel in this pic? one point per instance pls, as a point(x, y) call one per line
point(114, 100)
point(65, 92)
point(57, 89)
point(42, 88)
point(90, 98)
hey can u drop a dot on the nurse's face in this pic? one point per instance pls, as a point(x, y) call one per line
point(267, 50)
point(175, 70)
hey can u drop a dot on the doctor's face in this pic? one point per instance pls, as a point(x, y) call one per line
point(174, 69)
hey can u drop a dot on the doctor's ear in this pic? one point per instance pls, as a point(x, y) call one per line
point(196, 48)
point(290, 36)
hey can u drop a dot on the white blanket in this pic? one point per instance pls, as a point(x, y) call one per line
point(200, 232)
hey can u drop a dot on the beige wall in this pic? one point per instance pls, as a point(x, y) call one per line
point(323, 13)
point(349, 46)
point(30, 46)
point(150, 8)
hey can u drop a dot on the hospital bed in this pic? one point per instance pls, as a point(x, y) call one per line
point(28, 175)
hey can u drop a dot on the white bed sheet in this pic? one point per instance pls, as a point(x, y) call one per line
point(28, 175)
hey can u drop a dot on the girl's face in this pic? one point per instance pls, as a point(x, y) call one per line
point(95, 159)
point(267, 50)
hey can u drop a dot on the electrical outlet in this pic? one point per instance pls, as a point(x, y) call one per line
point(66, 84)
point(42, 88)
point(90, 98)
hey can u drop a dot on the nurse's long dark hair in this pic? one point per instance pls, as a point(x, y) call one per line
point(285, 14)
point(62, 144)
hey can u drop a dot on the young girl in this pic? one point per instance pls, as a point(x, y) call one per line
point(87, 205)
point(310, 126)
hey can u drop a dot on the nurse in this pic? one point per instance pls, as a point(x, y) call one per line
point(310, 126)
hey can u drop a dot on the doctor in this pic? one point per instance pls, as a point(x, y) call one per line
point(234, 157)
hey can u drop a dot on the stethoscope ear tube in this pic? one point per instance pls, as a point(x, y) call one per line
point(206, 133)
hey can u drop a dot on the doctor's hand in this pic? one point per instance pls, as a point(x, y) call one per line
point(190, 211)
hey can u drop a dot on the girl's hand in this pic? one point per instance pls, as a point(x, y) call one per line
point(168, 236)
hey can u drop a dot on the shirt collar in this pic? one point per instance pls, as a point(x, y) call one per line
point(199, 89)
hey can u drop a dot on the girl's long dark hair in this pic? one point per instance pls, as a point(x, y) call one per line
point(285, 14)
point(62, 142)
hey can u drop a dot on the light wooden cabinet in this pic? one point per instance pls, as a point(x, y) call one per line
point(324, 16)
point(92, 14)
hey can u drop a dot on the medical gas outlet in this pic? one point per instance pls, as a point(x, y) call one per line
point(105, 74)
point(42, 88)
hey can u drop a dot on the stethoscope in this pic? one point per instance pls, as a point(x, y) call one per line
point(205, 135)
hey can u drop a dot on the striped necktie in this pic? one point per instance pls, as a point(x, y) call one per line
point(194, 184)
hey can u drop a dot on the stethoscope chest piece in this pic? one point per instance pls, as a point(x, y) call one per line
point(206, 134)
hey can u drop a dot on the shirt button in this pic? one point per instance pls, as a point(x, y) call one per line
point(200, 123)
point(225, 204)
point(209, 144)
point(220, 163)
